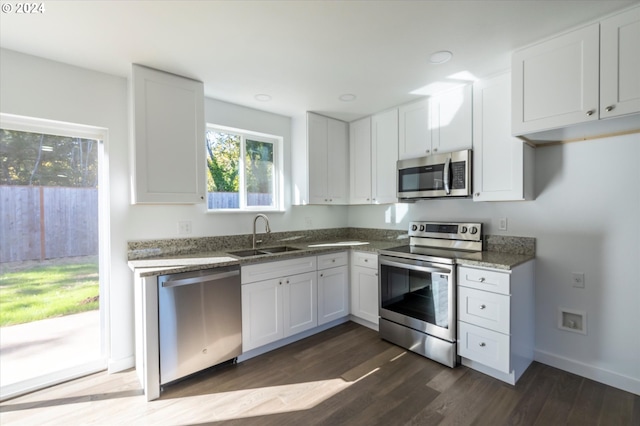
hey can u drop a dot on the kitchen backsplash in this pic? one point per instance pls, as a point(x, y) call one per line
point(184, 246)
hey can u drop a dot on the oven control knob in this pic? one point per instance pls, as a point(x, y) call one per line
point(473, 230)
point(463, 230)
point(421, 228)
point(414, 227)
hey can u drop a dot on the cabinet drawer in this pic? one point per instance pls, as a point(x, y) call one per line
point(283, 268)
point(367, 260)
point(482, 279)
point(332, 260)
point(484, 346)
point(485, 309)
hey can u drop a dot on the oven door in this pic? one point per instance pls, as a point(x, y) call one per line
point(417, 294)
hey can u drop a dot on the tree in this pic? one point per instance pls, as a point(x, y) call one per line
point(223, 161)
point(47, 160)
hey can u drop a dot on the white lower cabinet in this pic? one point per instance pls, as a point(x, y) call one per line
point(333, 287)
point(496, 320)
point(364, 286)
point(277, 307)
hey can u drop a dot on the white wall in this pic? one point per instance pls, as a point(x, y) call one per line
point(39, 88)
point(36, 87)
point(585, 218)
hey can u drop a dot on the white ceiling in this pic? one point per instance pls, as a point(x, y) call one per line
point(304, 54)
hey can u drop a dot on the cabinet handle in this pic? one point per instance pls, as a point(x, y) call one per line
point(366, 260)
point(483, 306)
point(375, 274)
point(287, 281)
point(426, 150)
point(435, 149)
point(590, 112)
point(477, 194)
point(333, 260)
point(280, 282)
point(481, 279)
point(482, 345)
point(321, 275)
point(609, 108)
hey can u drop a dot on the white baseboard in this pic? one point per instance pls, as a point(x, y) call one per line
point(363, 322)
point(601, 375)
point(117, 365)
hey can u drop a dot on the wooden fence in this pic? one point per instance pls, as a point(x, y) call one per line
point(38, 223)
point(231, 200)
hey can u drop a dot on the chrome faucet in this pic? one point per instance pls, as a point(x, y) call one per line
point(267, 229)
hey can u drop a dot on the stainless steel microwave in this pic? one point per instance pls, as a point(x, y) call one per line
point(435, 176)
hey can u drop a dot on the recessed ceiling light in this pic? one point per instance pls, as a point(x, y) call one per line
point(347, 97)
point(262, 97)
point(440, 57)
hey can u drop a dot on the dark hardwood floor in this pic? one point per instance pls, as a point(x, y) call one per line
point(343, 376)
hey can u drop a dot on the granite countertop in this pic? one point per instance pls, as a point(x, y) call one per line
point(497, 260)
point(208, 259)
point(160, 265)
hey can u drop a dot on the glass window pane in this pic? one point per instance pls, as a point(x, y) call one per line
point(259, 171)
point(223, 163)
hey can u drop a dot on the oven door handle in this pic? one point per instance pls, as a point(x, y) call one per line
point(415, 267)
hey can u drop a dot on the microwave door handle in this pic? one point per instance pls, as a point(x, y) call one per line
point(446, 179)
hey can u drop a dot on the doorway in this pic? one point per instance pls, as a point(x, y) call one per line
point(53, 231)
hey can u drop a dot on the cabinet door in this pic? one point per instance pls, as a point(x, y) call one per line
point(451, 120)
point(300, 307)
point(502, 170)
point(413, 129)
point(364, 293)
point(169, 132)
point(360, 161)
point(337, 162)
point(317, 137)
point(262, 319)
point(333, 294)
point(384, 149)
point(555, 83)
point(620, 64)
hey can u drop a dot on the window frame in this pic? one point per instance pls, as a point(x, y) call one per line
point(278, 169)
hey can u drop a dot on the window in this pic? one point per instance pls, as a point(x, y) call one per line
point(244, 170)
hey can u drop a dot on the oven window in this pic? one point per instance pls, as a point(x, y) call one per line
point(416, 294)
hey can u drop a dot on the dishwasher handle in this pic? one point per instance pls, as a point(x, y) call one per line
point(201, 279)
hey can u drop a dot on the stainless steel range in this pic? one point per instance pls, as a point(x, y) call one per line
point(417, 285)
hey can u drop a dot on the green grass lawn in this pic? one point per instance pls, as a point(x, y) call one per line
point(48, 291)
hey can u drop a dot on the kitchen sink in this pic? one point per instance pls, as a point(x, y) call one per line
point(266, 250)
point(281, 249)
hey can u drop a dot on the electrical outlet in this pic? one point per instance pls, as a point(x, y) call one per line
point(502, 224)
point(184, 227)
point(577, 279)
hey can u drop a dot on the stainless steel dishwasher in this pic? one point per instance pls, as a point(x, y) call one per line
point(200, 320)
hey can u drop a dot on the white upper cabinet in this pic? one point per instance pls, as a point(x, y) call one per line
point(620, 64)
point(328, 157)
point(360, 161)
point(374, 153)
point(168, 155)
point(384, 156)
point(441, 123)
point(579, 78)
point(555, 83)
point(451, 119)
point(502, 164)
point(414, 134)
